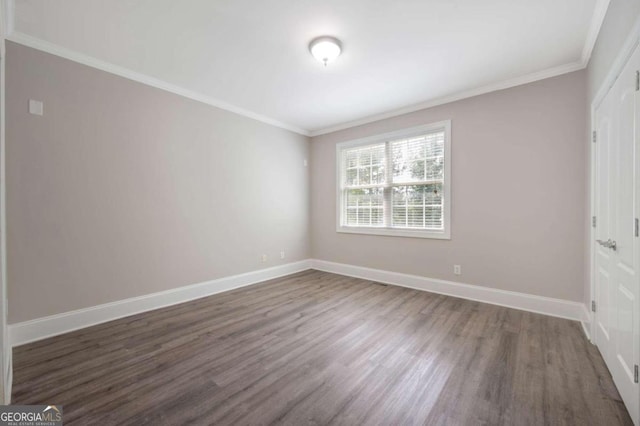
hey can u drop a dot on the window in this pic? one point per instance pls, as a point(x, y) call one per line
point(397, 183)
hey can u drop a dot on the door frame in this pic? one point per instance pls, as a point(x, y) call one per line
point(6, 364)
point(628, 48)
point(6, 361)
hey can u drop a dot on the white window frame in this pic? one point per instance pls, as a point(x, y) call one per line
point(444, 234)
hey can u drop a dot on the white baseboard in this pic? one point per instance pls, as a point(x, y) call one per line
point(8, 386)
point(41, 328)
point(511, 299)
point(585, 328)
point(586, 324)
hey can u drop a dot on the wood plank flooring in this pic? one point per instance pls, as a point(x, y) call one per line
point(318, 348)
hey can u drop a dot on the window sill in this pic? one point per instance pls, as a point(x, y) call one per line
point(410, 233)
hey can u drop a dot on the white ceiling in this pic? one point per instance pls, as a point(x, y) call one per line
point(251, 56)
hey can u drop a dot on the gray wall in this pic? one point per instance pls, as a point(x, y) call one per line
point(518, 193)
point(121, 189)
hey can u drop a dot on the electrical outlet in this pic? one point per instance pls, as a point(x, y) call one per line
point(263, 258)
point(282, 254)
point(36, 107)
point(457, 270)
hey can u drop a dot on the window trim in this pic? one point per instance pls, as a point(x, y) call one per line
point(399, 232)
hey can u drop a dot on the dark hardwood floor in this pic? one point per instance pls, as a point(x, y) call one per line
point(317, 348)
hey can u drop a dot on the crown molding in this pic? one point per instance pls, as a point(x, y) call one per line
point(595, 25)
point(506, 84)
point(597, 19)
point(81, 58)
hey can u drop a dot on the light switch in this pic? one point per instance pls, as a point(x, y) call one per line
point(36, 107)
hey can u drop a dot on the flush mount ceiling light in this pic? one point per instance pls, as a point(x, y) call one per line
point(325, 49)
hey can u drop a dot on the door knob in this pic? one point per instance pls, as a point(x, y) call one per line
point(608, 244)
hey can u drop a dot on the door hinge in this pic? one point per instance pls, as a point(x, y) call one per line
point(637, 227)
point(635, 373)
point(593, 305)
point(593, 136)
point(637, 81)
point(593, 221)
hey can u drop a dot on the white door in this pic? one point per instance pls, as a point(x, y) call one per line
point(617, 254)
point(603, 188)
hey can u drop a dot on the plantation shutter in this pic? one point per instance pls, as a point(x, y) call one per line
point(396, 184)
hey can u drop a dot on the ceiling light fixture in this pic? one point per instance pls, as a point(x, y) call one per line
point(325, 49)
